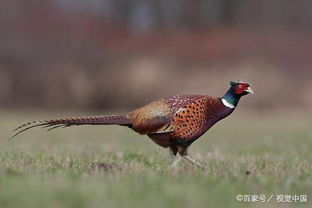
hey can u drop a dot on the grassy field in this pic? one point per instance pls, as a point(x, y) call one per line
point(95, 166)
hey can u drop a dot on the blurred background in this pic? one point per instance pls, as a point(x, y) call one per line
point(104, 55)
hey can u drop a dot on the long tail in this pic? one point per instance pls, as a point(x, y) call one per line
point(66, 122)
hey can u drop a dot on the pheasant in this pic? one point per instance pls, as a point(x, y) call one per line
point(173, 122)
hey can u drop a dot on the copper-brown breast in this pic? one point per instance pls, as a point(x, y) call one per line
point(189, 121)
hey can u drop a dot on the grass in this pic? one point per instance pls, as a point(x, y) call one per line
point(94, 166)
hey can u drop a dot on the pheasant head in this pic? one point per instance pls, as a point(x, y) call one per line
point(236, 91)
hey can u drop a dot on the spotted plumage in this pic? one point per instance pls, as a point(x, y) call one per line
point(174, 122)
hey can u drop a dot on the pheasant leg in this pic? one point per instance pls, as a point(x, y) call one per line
point(194, 162)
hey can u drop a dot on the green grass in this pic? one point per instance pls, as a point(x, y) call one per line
point(55, 169)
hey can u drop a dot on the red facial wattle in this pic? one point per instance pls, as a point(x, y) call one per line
point(239, 89)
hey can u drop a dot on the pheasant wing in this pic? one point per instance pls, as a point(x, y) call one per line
point(151, 118)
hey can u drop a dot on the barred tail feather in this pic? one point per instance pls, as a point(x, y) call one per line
point(66, 122)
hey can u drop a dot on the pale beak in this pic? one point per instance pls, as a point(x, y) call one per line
point(249, 90)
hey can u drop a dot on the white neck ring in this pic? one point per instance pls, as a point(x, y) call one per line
point(227, 104)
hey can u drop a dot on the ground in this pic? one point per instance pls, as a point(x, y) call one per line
point(97, 166)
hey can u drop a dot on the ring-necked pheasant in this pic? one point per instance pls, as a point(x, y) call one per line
point(174, 122)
